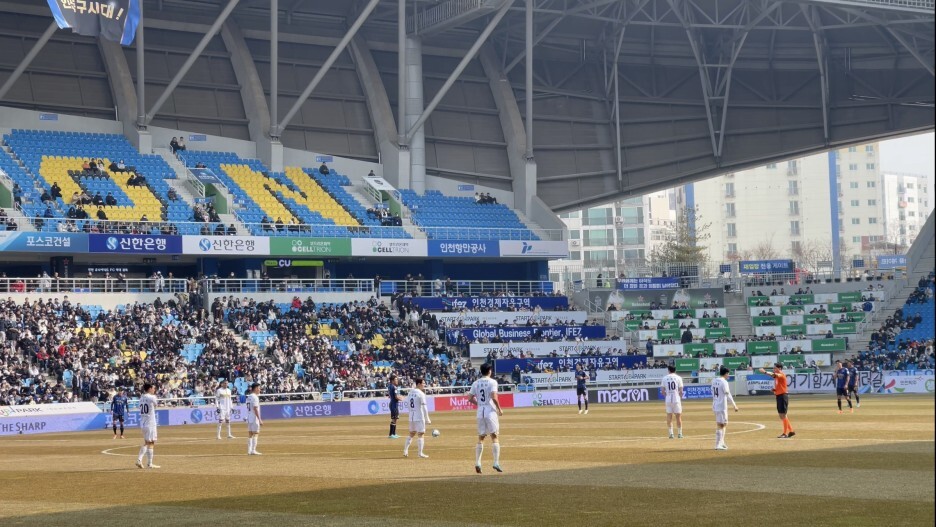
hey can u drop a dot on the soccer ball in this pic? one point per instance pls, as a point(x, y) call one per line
point(436, 433)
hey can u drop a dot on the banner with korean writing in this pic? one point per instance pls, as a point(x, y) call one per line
point(67, 243)
point(765, 266)
point(544, 349)
point(522, 333)
point(438, 303)
point(115, 20)
point(456, 248)
point(515, 318)
point(134, 244)
point(891, 261)
point(505, 366)
point(635, 284)
point(701, 298)
point(233, 245)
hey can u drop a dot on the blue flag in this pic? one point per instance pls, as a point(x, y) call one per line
point(115, 20)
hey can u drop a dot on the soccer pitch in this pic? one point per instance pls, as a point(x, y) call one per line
point(612, 467)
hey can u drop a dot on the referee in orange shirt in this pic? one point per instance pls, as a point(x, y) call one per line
point(783, 400)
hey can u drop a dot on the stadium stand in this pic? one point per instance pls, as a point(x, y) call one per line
point(447, 217)
point(905, 340)
point(57, 158)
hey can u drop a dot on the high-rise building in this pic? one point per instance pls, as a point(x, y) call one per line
point(613, 238)
point(819, 208)
point(908, 201)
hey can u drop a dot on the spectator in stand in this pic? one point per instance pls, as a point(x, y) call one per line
point(323, 170)
point(46, 197)
point(110, 200)
point(56, 191)
point(181, 144)
point(231, 230)
point(97, 200)
point(101, 215)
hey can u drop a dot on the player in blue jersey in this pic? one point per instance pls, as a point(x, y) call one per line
point(395, 399)
point(119, 411)
point(841, 385)
point(853, 382)
point(581, 391)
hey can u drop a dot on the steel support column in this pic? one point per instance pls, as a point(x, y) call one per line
point(140, 73)
point(27, 60)
point(274, 67)
point(529, 80)
point(812, 18)
point(459, 69)
point(326, 66)
point(212, 31)
point(401, 73)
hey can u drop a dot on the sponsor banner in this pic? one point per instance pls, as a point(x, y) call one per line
point(561, 378)
point(454, 403)
point(691, 391)
point(622, 395)
point(891, 261)
point(630, 376)
point(545, 398)
point(41, 242)
point(759, 384)
point(294, 246)
point(382, 406)
point(304, 410)
point(134, 244)
point(636, 300)
point(438, 303)
point(766, 266)
point(455, 248)
point(824, 382)
point(236, 245)
point(384, 247)
point(203, 415)
point(52, 423)
point(670, 314)
point(47, 409)
point(471, 318)
point(534, 248)
point(821, 359)
point(635, 284)
point(920, 381)
point(543, 349)
point(505, 366)
point(522, 333)
point(115, 20)
point(197, 138)
point(205, 175)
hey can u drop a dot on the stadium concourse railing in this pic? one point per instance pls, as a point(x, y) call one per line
point(288, 285)
point(468, 287)
point(93, 285)
point(466, 233)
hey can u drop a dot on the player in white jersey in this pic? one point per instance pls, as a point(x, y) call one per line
point(672, 387)
point(484, 394)
point(147, 425)
point(721, 395)
point(223, 407)
point(418, 417)
point(253, 419)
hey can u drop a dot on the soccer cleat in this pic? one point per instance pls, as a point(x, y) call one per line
point(424, 456)
point(139, 464)
point(115, 436)
point(122, 437)
point(790, 434)
point(394, 436)
point(671, 436)
point(840, 412)
point(851, 410)
point(721, 447)
point(255, 453)
point(230, 437)
point(782, 436)
point(586, 412)
point(478, 469)
point(218, 438)
point(679, 436)
point(153, 466)
point(859, 405)
point(405, 454)
point(497, 468)
point(580, 412)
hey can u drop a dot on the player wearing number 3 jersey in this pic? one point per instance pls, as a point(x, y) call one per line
point(484, 394)
point(672, 388)
point(147, 425)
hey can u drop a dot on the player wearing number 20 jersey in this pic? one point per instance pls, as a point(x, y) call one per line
point(147, 425)
point(484, 394)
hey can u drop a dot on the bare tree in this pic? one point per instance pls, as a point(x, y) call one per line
point(687, 245)
point(765, 250)
point(809, 254)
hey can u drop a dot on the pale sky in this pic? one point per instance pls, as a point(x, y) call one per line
point(915, 155)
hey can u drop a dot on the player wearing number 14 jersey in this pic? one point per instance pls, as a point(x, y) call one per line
point(484, 394)
point(721, 395)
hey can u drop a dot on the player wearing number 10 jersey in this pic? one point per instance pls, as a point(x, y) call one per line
point(672, 387)
point(147, 425)
point(484, 394)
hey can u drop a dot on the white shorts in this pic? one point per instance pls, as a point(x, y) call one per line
point(417, 426)
point(721, 417)
point(674, 407)
point(224, 415)
point(488, 425)
point(149, 433)
point(253, 427)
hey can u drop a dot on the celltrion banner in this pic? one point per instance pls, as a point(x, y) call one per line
point(387, 247)
point(295, 246)
point(545, 398)
point(471, 318)
point(233, 245)
point(544, 349)
point(115, 20)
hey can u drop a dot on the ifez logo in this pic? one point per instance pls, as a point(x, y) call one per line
point(373, 408)
point(204, 244)
point(112, 243)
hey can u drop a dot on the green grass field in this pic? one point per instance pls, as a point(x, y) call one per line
point(612, 467)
